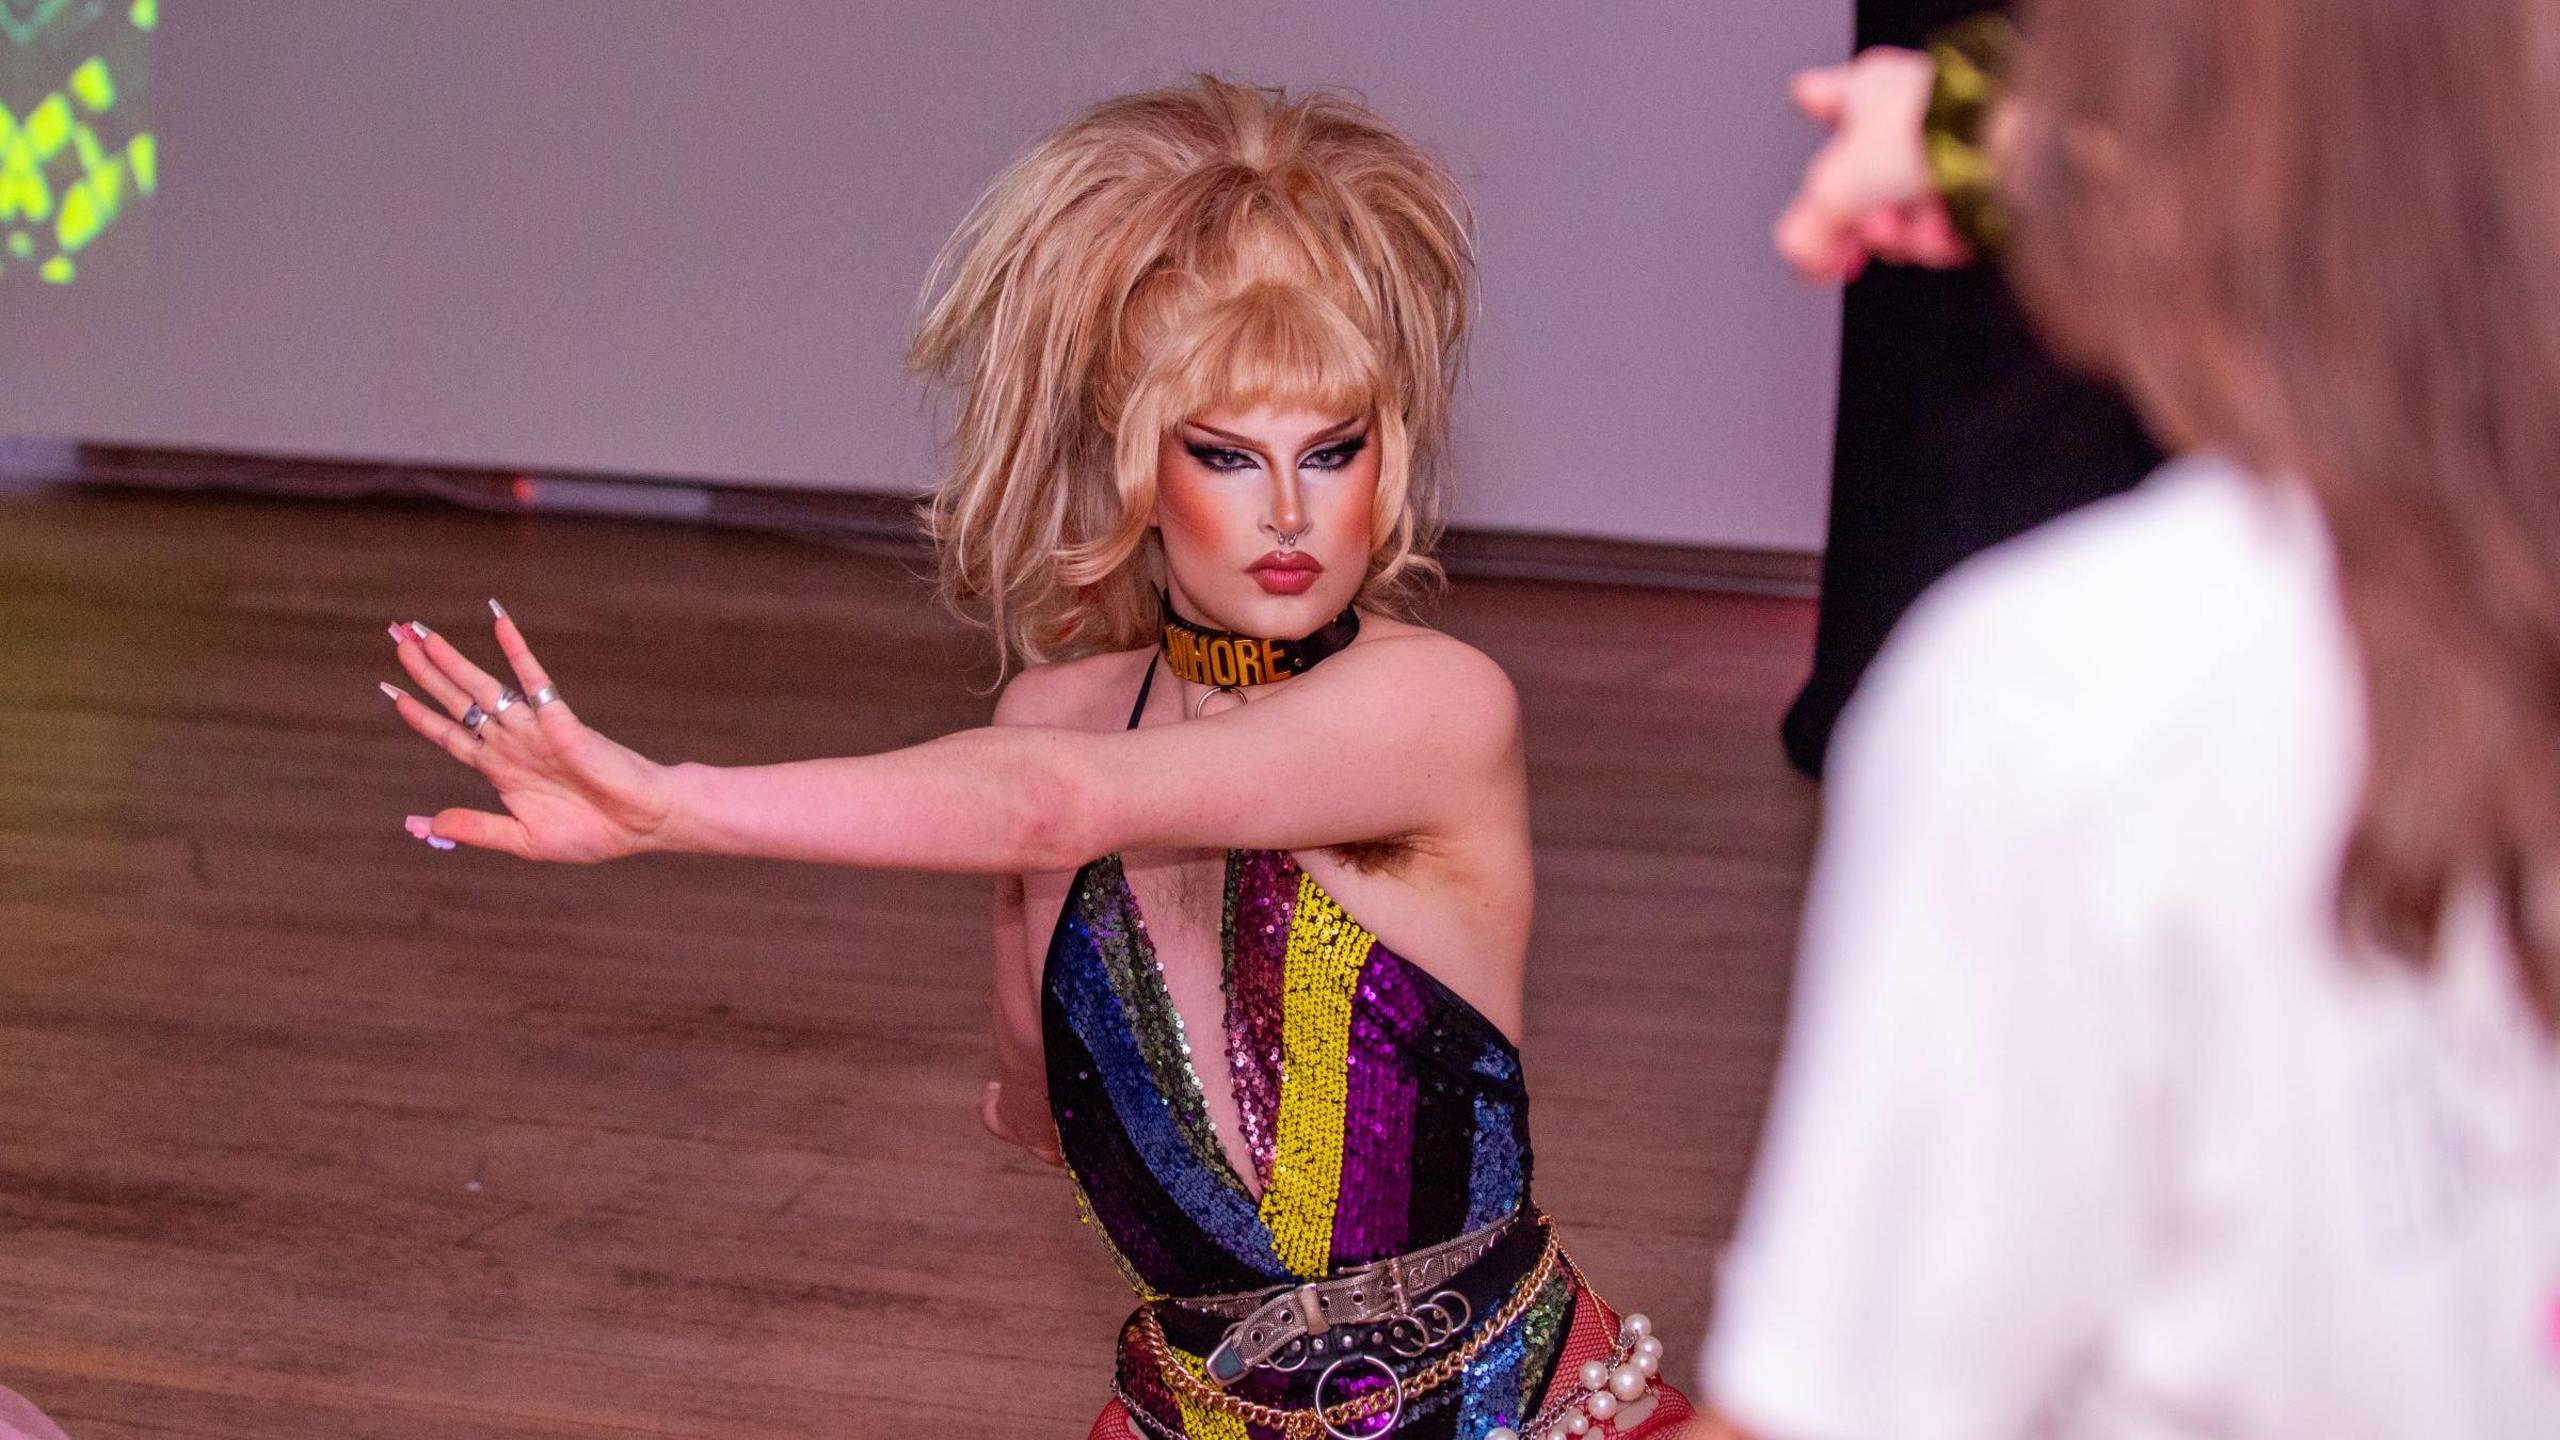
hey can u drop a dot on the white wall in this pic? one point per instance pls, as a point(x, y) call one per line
point(683, 237)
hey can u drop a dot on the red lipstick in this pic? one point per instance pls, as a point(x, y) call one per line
point(1285, 572)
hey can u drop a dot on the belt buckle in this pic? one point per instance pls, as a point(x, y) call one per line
point(1401, 1303)
point(1309, 1303)
point(1224, 1365)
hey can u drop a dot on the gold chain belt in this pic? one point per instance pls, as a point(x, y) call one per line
point(1336, 1419)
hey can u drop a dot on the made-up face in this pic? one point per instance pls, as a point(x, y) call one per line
point(1266, 516)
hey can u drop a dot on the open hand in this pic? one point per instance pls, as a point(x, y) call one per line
point(570, 793)
point(1868, 194)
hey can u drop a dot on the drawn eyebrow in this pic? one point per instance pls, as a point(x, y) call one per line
point(1330, 432)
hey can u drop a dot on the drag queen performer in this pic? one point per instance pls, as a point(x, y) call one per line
point(1203, 341)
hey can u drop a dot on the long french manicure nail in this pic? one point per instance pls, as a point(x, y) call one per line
point(390, 691)
point(417, 629)
point(398, 635)
point(497, 609)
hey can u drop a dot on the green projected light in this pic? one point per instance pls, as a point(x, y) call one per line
point(75, 153)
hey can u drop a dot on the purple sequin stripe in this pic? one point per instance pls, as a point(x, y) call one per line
point(1373, 1214)
point(1390, 1036)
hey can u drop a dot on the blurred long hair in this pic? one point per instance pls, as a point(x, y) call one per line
point(2324, 236)
point(1212, 244)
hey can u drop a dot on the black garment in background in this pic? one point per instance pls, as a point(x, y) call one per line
point(1956, 431)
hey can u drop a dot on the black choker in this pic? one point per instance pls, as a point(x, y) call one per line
point(1227, 661)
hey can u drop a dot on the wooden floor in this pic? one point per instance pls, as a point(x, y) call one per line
point(309, 1131)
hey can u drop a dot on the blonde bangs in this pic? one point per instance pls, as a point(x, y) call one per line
point(1279, 346)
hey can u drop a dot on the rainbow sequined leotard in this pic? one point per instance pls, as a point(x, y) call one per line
point(1382, 1112)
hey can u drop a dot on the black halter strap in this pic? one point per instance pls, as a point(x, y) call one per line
point(1143, 687)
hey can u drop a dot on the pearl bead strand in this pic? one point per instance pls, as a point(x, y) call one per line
point(1608, 1389)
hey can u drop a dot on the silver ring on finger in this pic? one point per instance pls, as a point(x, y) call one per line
point(545, 696)
point(473, 718)
point(507, 695)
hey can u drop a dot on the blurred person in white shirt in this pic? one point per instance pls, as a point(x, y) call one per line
point(2176, 1049)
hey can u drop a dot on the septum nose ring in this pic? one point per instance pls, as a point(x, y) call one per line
point(1289, 539)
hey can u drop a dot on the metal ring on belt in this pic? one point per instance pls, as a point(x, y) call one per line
point(1527, 1229)
point(1284, 1328)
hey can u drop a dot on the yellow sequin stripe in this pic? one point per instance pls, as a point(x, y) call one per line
point(1200, 1422)
point(1320, 969)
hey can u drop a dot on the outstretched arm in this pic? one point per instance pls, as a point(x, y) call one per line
point(1405, 735)
point(1375, 745)
point(1867, 193)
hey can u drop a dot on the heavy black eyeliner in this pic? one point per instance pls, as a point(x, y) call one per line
point(1210, 456)
point(1340, 453)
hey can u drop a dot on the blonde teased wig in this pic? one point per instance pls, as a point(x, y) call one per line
point(1165, 253)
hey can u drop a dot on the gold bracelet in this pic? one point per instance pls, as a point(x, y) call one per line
point(1973, 60)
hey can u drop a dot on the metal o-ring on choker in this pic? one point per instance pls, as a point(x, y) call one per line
point(1200, 706)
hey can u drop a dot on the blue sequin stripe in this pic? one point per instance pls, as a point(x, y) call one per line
point(1492, 1388)
point(1497, 1170)
point(1147, 1117)
point(1493, 1164)
point(1504, 1383)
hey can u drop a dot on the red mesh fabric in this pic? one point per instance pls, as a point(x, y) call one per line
point(1595, 1324)
point(1113, 1424)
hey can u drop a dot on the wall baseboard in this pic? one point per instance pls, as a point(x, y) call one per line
point(1592, 560)
point(872, 522)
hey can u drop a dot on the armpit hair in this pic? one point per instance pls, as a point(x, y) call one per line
point(1385, 855)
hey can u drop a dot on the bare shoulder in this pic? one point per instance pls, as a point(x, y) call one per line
point(1457, 713)
point(1457, 683)
point(1432, 654)
point(1091, 692)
